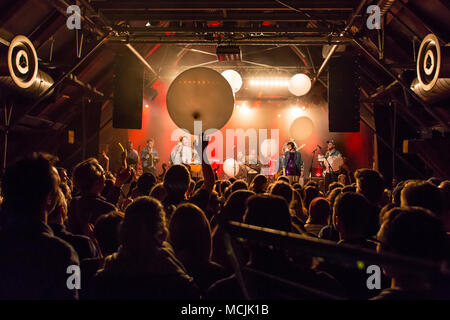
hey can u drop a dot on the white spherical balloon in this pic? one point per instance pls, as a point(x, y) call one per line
point(231, 168)
point(234, 79)
point(269, 148)
point(299, 84)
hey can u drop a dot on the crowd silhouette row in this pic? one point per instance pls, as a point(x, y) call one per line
point(140, 238)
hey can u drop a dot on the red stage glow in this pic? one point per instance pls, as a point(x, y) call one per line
point(214, 23)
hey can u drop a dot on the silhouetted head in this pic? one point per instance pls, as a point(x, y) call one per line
point(106, 231)
point(284, 190)
point(370, 184)
point(145, 183)
point(259, 184)
point(89, 177)
point(319, 211)
point(235, 206)
point(143, 228)
point(351, 214)
point(176, 181)
point(422, 194)
point(190, 233)
point(30, 186)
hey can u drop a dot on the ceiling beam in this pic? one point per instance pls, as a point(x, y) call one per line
point(116, 15)
point(218, 5)
point(193, 29)
point(202, 40)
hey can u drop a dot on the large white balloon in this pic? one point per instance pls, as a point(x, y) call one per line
point(299, 84)
point(269, 148)
point(234, 79)
point(231, 167)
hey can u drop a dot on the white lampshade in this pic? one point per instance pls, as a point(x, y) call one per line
point(234, 79)
point(299, 84)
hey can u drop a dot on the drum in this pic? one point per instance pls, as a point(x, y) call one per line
point(196, 168)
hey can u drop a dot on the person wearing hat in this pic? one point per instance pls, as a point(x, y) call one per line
point(333, 162)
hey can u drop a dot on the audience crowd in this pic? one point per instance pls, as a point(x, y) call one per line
point(144, 238)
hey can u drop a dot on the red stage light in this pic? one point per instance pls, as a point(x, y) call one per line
point(318, 171)
point(214, 23)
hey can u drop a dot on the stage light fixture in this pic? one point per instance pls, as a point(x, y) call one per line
point(228, 53)
point(245, 110)
point(269, 82)
point(296, 112)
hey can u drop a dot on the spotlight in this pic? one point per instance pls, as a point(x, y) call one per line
point(279, 115)
point(269, 82)
point(146, 105)
point(245, 110)
point(229, 53)
point(296, 112)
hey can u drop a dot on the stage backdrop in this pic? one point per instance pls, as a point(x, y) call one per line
point(257, 114)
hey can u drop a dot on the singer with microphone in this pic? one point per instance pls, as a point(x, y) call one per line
point(293, 163)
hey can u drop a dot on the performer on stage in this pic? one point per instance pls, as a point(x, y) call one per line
point(293, 162)
point(149, 157)
point(333, 162)
point(280, 162)
point(132, 156)
point(182, 152)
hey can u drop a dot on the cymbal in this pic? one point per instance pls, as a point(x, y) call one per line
point(200, 94)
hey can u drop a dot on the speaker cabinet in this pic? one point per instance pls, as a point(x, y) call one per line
point(343, 94)
point(128, 91)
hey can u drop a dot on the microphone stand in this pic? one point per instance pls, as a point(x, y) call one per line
point(234, 162)
point(312, 161)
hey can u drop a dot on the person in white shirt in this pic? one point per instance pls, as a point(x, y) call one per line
point(182, 152)
point(333, 162)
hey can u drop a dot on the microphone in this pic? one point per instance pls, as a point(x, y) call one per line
point(315, 150)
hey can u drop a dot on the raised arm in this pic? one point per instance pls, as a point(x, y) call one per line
point(208, 173)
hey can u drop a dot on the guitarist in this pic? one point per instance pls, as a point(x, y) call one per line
point(149, 157)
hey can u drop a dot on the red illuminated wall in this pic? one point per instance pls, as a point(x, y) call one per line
point(358, 147)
